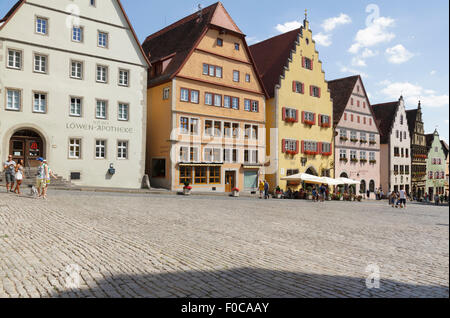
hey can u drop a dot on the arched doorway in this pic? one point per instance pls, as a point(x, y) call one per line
point(27, 145)
point(372, 186)
point(362, 187)
point(312, 172)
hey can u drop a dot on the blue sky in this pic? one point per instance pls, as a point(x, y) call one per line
point(402, 48)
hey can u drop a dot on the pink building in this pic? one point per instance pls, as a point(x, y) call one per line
point(357, 138)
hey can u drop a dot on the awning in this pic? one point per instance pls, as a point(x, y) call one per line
point(201, 164)
point(330, 181)
point(347, 181)
point(251, 167)
point(307, 178)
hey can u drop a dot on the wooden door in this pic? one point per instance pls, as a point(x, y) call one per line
point(17, 149)
point(230, 180)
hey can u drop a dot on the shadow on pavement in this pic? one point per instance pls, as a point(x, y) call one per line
point(250, 283)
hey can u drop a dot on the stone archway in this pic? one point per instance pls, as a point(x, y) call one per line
point(312, 171)
point(27, 144)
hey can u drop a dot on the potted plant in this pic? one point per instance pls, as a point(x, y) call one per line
point(187, 189)
point(235, 192)
point(278, 192)
point(359, 198)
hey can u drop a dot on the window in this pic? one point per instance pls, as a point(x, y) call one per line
point(353, 154)
point(235, 130)
point(40, 103)
point(102, 39)
point(290, 113)
point(123, 77)
point(307, 63)
point(41, 26)
point(362, 155)
point(185, 175)
point(358, 103)
point(75, 106)
point(14, 59)
point(122, 150)
point(255, 158)
point(166, 93)
point(208, 127)
point(227, 101)
point(343, 133)
point(246, 156)
point(205, 69)
point(235, 103)
point(211, 70)
point(100, 149)
point(227, 130)
point(184, 97)
point(372, 156)
point(193, 154)
point(218, 72)
point(219, 42)
point(75, 148)
point(92, 3)
point(430, 175)
point(255, 106)
point(218, 100)
point(208, 99)
point(353, 135)
point(184, 125)
point(247, 105)
point(315, 91)
point(77, 34)
point(195, 96)
point(158, 168)
point(217, 128)
point(309, 117)
point(363, 137)
point(123, 112)
point(214, 175)
point(407, 170)
point(247, 132)
point(310, 146)
point(326, 148)
point(343, 154)
point(194, 126)
point(200, 175)
point(247, 78)
point(290, 145)
point(227, 155)
point(396, 152)
point(100, 111)
point(40, 63)
point(77, 70)
point(236, 76)
point(298, 87)
point(372, 138)
point(236, 46)
point(401, 120)
point(324, 120)
point(102, 74)
point(184, 154)
point(13, 99)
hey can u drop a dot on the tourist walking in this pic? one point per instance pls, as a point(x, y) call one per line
point(41, 177)
point(9, 166)
point(436, 199)
point(19, 176)
point(392, 199)
point(261, 189)
point(48, 174)
point(266, 190)
point(402, 195)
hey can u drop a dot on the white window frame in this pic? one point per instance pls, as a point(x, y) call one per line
point(103, 39)
point(16, 99)
point(99, 112)
point(124, 77)
point(40, 61)
point(42, 100)
point(102, 74)
point(123, 112)
point(74, 148)
point(122, 150)
point(43, 26)
point(100, 149)
point(75, 105)
point(77, 34)
point(16, 59)
point(76, 67)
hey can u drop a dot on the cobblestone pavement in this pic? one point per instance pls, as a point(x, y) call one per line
point(129, 245)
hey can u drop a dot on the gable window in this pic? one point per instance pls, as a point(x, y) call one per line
point(13, 99)
point(236, 75)
point(14, 59)
point(75, 106)
point(218, 72)
point(298, 87)
point(76, 70)
point(102, 39)
point(247, 105)
point(307, 63)
point(315, 91)
point(102, 74)
point(123, 77)
point(40, 103)
point(166, 93)
point(41, 25)
point(247, 78)
point(77, 34)
point(236, 46)
point(40, 63)
point(123, 112)
point(255, 106)
point(219, 42)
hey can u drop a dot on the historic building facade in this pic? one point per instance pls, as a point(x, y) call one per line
point(419, 152)
point(357, 141)
point(436, 165)
point(447, 177)
point(73, 90)
point(395, 167)
point(299, 111)
point(206, 109)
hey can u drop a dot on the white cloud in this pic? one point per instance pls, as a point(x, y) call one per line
point(251, 40)
point(374, 34)
point(331, 23)
point(345, 69)
point(368, 53)
point(433, 72)
point(413, 93)
point(358, 61)
point(398, 54)
point(288, 26)
point(322, 39)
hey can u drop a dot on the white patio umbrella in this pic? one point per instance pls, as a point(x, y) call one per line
point(348, 181)
point(330, 181)
point(308, 178)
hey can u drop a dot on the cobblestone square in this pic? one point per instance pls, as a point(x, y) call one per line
point(154, 245)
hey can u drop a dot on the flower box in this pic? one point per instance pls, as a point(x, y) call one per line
point(343, 159)
point(372, 142)
point(313, 153)
point(363, 160)
point(354, 140)
point(363, 141)
point(373, 161)
point(290, 120)
point(309, 122)
point(344, 138)
point(291, 152)
point(354, 160)
point(326, 154)
point(325, 125)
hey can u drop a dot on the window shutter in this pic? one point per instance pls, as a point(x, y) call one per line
point(303, 117)
point(294, 86)
point(283, 150)
point(320, 120)
point(297, 147)
point(296, 116)
point(320, 148)
point(320, 92)
point(284, 113)
point(312, 63)
point(303, 61)
point(303, 146)
point(311, 88)
point(314, 120)
point(303, 88)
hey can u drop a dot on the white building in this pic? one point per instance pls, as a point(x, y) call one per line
point(73, 80)
point(395, 168)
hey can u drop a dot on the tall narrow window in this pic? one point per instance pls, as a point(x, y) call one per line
point(123, 112)
point(102, 74)
point(100, 112)
point(122, 150)
point(75, 106)
point(40, 103)
point(13, 99)
point(41, 26)
point(102, 39)
point(40, 63)
point(236, 75)
point(75, 148)
point(100, 149)
point(77, 34)
point(14, 59)
point(76, 70)
point(235, 103)
point(123, 77)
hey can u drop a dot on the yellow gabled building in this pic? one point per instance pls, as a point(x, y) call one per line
point(299, 111)
point(206, 106)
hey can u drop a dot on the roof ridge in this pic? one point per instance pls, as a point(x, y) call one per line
point(180, 22)
point(344, 78)
point(276, 36)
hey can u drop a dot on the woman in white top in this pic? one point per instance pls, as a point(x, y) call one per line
point(19, 176)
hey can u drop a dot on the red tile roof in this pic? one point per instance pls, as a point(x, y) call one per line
point(385, 116)
point(341, 91)
point(411, 116)
point(271, 57)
